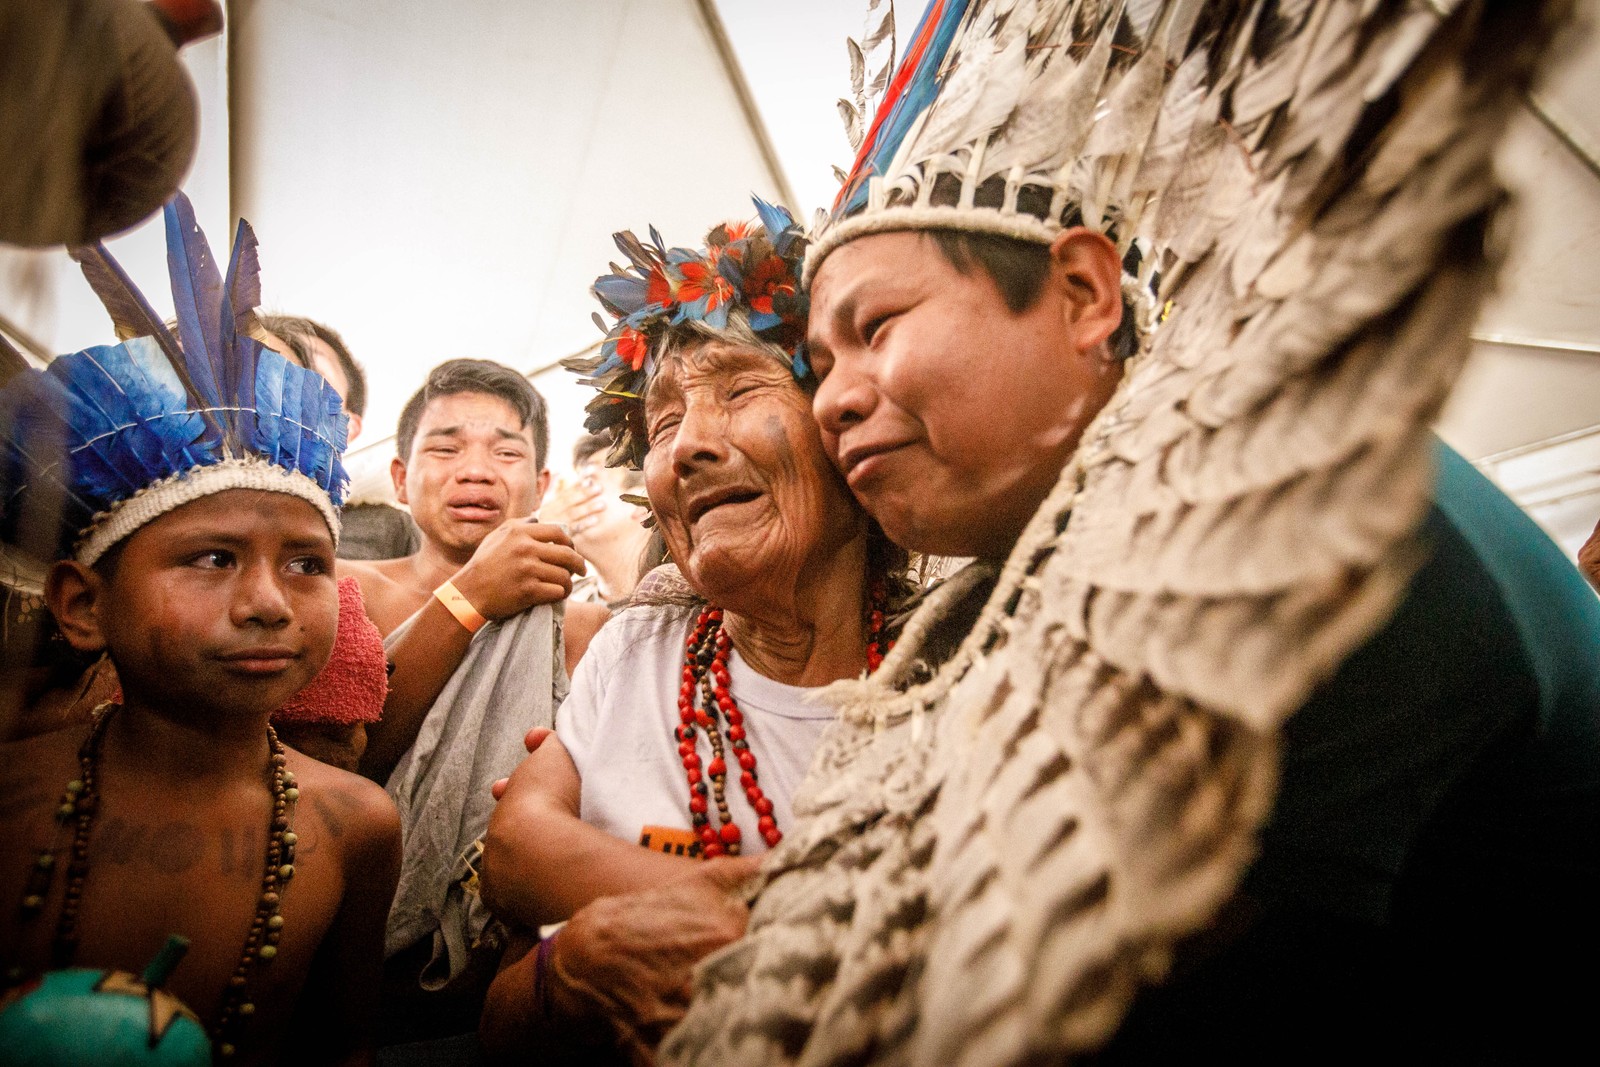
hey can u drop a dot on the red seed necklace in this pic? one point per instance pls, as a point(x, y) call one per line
point(705, 671)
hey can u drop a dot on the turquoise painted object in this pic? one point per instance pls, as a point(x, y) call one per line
point(79, 1016)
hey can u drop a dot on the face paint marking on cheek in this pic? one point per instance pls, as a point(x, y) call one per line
point(777, 436)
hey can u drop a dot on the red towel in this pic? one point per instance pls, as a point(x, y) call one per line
point(353, 685)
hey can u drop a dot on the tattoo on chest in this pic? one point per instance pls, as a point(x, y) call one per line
point(122, 842)
point(333, 809)
point(240, 851)
point(175, 846)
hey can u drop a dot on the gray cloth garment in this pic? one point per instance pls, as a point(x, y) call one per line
point(512, 679)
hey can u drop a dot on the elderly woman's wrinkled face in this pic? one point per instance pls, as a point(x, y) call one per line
point(742, 490)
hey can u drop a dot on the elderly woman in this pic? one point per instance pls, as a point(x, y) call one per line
point(692, 719)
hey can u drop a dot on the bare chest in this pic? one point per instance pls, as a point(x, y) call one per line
point(158, 865)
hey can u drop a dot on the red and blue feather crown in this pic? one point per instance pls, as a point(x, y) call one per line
point(747, 269)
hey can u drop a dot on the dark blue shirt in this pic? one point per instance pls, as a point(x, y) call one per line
point(1430, 876)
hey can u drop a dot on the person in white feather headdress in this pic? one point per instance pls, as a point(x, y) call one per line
point(1263, 725)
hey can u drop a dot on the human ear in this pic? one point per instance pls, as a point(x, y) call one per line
point(397, 474)
point(354, 429)
point(1084, 265)
point(543, 485)
point(73, 593)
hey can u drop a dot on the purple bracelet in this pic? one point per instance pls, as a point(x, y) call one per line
point(541, 982)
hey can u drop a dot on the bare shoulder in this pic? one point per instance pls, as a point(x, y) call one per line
point(30, 757)
point(34, 770)
point(373, 575)
point(34, 773)
point(354, 811)
point(583, 621)
point(389, 600)
point(368, 577)
point(362, 570)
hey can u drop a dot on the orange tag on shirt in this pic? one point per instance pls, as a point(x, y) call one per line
point(671, 840)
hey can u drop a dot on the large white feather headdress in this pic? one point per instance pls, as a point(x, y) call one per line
point(1019, 117)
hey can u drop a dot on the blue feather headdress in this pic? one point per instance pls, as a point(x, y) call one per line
point(107, 439)
point(752, 269)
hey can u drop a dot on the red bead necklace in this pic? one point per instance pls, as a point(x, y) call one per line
point(705, 671)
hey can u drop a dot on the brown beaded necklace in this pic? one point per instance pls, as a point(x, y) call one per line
point(80, 802)
point(705, 672)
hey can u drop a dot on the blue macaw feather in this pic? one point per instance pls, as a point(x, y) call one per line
point(41, 400)
point(126, 387)
point(286, 409)
point(802, 361)
point(34, 451)
point(642, 318)
point(132, 315)
point(732, 271)
point(244, 276)
point(250, 355)
point(695, 309)
point(910, 92)
point(197, 296)
point(38, 439)
point(97, 409)
point(331, 444)
point(270, 404)
point(98, 474)
point(308, 416)
point(321, 417)
point(641, 257)
point(241, 295)
point(764, 320)
point(269, 387)
point(152, 385)
point(338, 482)
point(172, 423)
point(621, 293)
point(717, 317)
point(777, 222)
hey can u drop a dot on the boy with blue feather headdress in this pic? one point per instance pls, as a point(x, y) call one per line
point(187, 488)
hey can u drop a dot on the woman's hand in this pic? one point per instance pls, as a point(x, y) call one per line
point(628, 959)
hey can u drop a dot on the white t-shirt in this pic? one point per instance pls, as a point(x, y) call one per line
point(619, 720)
